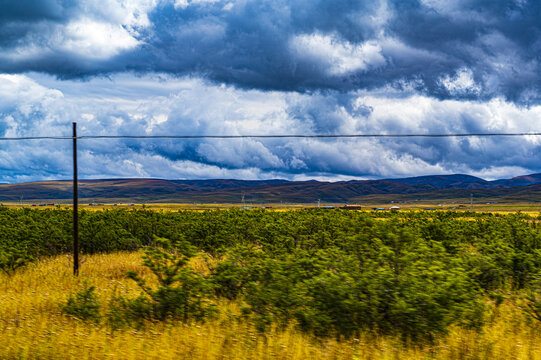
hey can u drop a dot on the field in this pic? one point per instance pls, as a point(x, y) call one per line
point(34, 327)
point(531, 208)
point(318, 284)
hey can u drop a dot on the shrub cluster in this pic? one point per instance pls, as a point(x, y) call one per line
point(181, 294)
point(331, 272)
point(396, 283)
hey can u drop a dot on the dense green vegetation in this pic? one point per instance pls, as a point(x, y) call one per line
point(331, 272)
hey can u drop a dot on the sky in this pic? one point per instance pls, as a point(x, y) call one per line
point(262, 67)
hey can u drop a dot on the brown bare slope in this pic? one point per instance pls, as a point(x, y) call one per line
point(524, 180)
point(221, 191)
point(208, 190)
point(455, 181)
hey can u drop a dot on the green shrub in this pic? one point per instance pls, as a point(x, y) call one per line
point(124, 312)
point(181, 294)
point(399, 285)
point(13, 258)
point(84, 304)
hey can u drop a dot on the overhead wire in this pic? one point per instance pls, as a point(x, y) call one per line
point(301, 136)
point(277, 136)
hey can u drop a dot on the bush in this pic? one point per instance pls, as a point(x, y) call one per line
point(128, 312)
point(181, 294)
point(13, 258)
point(399, 285)
point(84, 305)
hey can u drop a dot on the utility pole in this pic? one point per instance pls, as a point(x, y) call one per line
point(75, 206)
point(471, 202)
point(318, 203)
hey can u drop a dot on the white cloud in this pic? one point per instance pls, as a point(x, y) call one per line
point(327, 177)
point(100, 31)
point(183, 4)
point(158, 105)
point(130, 13)
point(461, 84)
point(155, 120)
point(456, 10)
point(502, 172)
point(242, 153)
point(338, 56)
point(444, 7)
point(95, 40)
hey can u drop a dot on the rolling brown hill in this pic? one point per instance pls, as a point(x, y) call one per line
point(232, 191)
point(135, 190)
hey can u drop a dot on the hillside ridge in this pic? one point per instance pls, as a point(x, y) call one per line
point(526, 187)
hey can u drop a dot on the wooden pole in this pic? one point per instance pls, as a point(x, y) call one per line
point(75, 206)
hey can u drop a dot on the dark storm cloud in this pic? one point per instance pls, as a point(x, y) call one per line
point(34, 10)
point(463, 49)
point(500, 41)
point(21, 18)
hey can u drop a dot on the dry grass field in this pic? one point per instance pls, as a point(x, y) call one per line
point(532, 209)
point(33, 326)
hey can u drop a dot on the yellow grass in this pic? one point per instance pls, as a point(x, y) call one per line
point(32, 326)
point(499, 208)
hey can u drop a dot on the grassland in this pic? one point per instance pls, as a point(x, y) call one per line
point(531, 208)
point(458, 277)
point(32, 326)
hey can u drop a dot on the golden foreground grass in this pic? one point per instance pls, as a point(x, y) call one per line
point(32, 326)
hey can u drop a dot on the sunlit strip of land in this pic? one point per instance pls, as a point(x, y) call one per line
point(531, 208)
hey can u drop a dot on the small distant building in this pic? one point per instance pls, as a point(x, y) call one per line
point(394, 208)
point(378, 209)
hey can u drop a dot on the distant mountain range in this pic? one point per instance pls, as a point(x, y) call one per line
point(460, 181)
point(521, 188)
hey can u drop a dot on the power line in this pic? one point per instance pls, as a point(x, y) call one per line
point(302, 136)
point(278, 136)
point(36, 138)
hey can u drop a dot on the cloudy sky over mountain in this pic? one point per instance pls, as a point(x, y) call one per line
point(228, 67)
